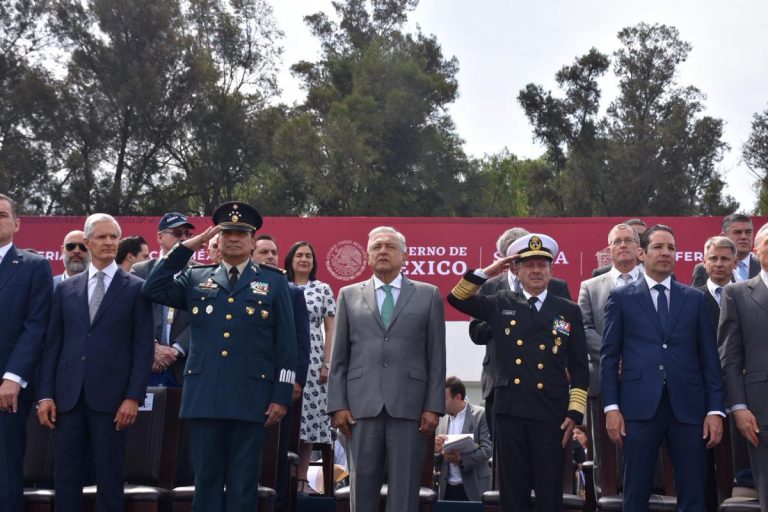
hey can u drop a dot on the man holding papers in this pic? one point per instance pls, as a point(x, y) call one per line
point(462, 446)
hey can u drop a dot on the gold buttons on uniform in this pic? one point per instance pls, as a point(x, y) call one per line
point(513, 322)
point(517, 381)
point(226, 335)
point(231, 300)
point(540, 366)
point(540, 385)
point(542, 347)
point(554, 332)
point(224, 353)
point(519, 343)
point(518, 361)
point(228, 317)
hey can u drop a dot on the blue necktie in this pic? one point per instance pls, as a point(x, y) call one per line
point(743, 271)
point(719, 294)
point(662, 309)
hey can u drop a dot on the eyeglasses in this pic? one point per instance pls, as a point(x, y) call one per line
point(71, 246)
point(619, 241)
point(178, 232)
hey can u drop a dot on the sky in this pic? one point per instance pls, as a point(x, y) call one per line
point(502, 45)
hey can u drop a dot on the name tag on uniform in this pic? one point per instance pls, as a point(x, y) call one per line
point(508, 312)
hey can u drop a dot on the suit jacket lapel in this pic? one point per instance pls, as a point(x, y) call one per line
point(10, 264)
point(119, 280)
point(250, 273)
point(468, 427)
point(643, 295)
point(220, 277)
point(406, 290)
point(754, 265)
point(759, 292)
point(369, 297)
point(677, 296)
point(546, 314)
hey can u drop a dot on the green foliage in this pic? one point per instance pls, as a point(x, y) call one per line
point(755, 153)
point(653, 153)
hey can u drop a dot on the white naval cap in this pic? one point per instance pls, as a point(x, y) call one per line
point(534, 244)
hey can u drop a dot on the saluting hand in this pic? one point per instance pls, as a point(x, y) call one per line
point(198, 241)
point(500, 265)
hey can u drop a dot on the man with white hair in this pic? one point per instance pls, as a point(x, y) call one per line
point(386, 387)
point(96, 363)
point(75, 254)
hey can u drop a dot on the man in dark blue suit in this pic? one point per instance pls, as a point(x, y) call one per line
point(265, 253)
point(25, 301)
point(96, 363)
point(670, 386)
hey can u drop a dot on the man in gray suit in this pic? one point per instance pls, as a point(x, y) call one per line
point(624, 243)
point(738, 227)
point(744, 356)
point(465, 475)
point(386, 387)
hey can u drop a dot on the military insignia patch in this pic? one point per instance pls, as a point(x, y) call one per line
point(250, 310)
point(561, 326)
point(264, 314)
point(259, 287)
point(507, 331)
point(535, 243)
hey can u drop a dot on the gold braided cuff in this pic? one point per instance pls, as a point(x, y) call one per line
point(464, 289)
point(578, 401)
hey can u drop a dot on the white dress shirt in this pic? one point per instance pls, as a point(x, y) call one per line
point(456, 426)
point(109, 274)
point(542, 297)
point(4, 250)
point(396, 284)
point(616, 273)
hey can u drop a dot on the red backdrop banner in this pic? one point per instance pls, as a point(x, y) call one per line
point(439, 250)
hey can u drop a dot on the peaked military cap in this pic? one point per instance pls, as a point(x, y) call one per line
point(237, 216)
point(534, 244)
point(174, 220)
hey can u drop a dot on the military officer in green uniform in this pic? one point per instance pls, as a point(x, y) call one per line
point(539, 343)
point(240, 369)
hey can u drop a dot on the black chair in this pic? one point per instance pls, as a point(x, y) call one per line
point(151, 453)
point(427, 494)
point(38, 467)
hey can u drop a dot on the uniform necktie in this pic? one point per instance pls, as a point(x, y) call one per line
point(662, 309)
point(233, 275)
point(743, 271)
point(388, 306)
point(98, 295)
point(532, 301)
point(719, 294)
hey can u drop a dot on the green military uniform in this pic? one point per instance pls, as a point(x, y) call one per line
point(242, 357)
point(541, 377)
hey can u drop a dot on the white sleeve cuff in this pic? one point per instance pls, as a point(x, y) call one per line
point(716, 413)
point(479, 273)
point(15, 378)
point(613, 407)
point(738, 407)
point(180, 350)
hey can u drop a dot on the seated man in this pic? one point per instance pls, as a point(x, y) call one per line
point(464, 475)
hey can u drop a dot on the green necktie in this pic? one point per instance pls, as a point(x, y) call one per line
point(388, 306)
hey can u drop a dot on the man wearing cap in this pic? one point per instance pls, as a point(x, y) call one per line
point(75, 254)
point(538, 342)
point(171, 327)
point(480, 332)
point(240, 366)
point(660, 376)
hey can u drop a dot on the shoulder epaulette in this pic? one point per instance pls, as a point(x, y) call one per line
point(273, 269)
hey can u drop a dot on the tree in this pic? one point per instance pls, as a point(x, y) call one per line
point(376, 100)
point(755, 154)
point(653, 153)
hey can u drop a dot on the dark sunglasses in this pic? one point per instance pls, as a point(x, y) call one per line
point(71, 246)
point(178, 232)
